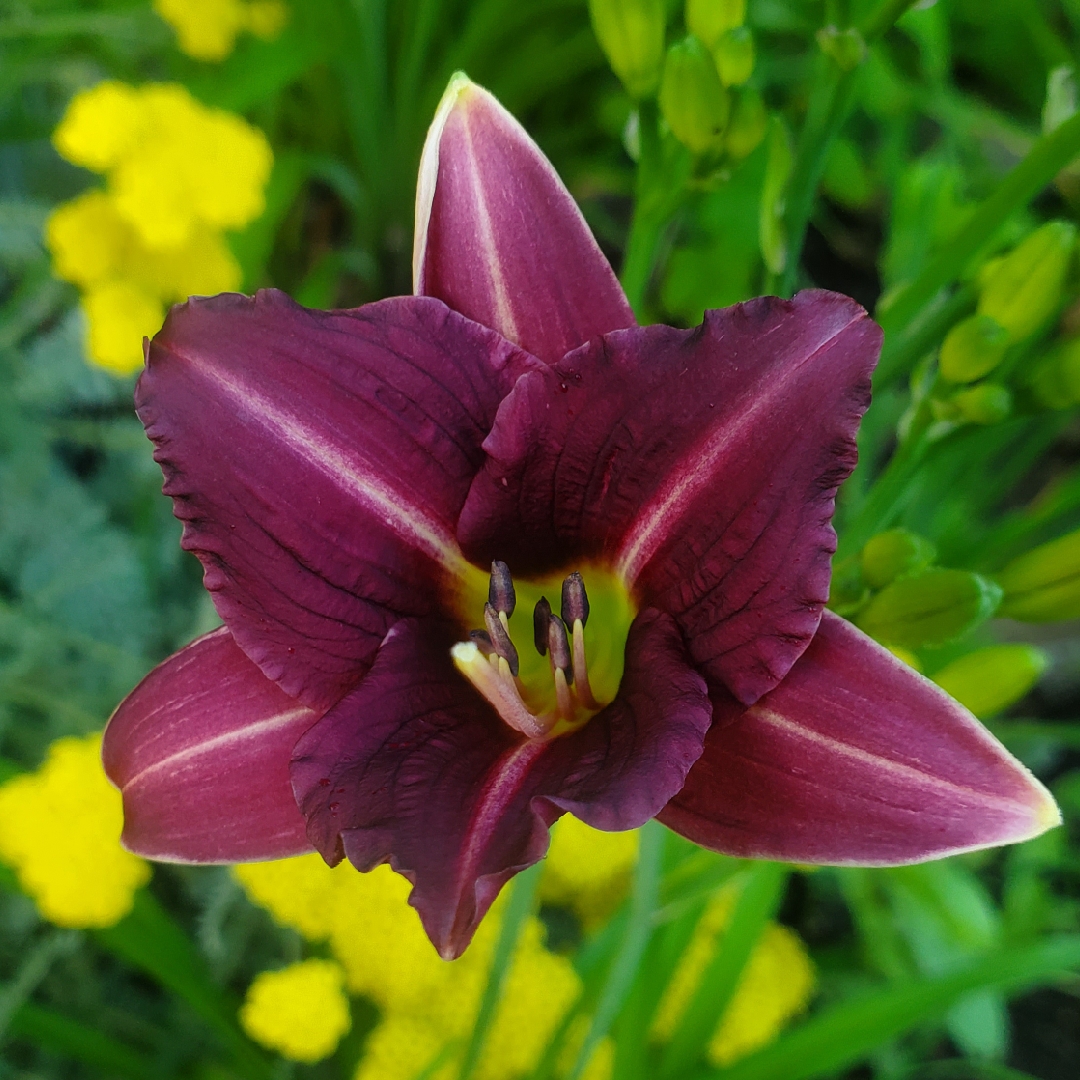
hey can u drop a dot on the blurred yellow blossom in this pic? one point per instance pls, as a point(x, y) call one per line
point(300, 1011)
point(60, 830)
point(177, 174)
point(776, 985)
point(208, 29)
point(588, 870)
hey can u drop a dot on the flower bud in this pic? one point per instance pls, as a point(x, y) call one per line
point(931, 608)
point(748, 123)
point(972, 349)
point(988, 403)
point(734, 56)
point(709, 20)
point(692, 98)
point(631, 33)
point(1024, 289)
point(1043, 585)
point(991, 679)
point(1056, 380)
point(846, 47)
point(893, 554)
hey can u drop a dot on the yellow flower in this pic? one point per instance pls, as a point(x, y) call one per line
point(401, 1048)
point(60, 830)
point(588, 870)
point(207, 29)
point(100, 125)
point(89, 241)
point(776, 985)
point(300, 1011)
point(297, 892)
point(119, 314)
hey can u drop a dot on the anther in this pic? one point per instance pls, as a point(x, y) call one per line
point(500, 637)
point(575, 600)
point(541, 621)
point(559, 644)
point(501, 594)
point(482, 640)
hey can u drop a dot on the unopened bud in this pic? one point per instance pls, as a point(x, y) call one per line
point(692, 98)
point(972, 349)
point(892, 554)
point(501, 594)
point(1056, 380)
point(1043, 585)
point(991, 679)
point(846, 47)
point(1024, 288)
point(931, 608)
point(709, 20)
point(988, 403)
point(747, 125)
point(734, 56)
point(631, 33)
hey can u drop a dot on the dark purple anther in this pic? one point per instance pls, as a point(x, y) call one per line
point(575, 600)
point(501, 593)
point(482, 640)
point(541, 618)
point(500, 638)
point(559, 645)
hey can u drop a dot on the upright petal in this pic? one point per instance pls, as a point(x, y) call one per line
point(200, 752)
point(854, 759)
point(415, 768)
point(500, 239)
point(318, 461)
point(703, 464)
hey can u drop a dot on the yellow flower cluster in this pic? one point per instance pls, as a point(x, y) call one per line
point(60, 830)
point(177, 175)
point(208, 29)
point(300, 1011)
point(775, 985)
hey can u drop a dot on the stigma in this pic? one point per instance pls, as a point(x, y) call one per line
point(542, 706)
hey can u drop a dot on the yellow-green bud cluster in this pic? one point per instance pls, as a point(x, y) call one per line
point(1043, 585)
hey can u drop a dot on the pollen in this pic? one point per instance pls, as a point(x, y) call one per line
point(300, 1011)
point(60, 830)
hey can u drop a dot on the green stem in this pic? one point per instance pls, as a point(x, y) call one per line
point(904, 348)
point(519, 906)
point(647, 224)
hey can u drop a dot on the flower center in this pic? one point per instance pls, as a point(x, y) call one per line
point(563, 676)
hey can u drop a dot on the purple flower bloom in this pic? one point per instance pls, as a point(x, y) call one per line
point(655, 506)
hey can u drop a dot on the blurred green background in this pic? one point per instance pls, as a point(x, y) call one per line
point(923, 158)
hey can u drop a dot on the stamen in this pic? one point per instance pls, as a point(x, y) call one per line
point(501, 594)
point(562, 695)
point(500, 637)
point(581, 668)
point(560, 650)
point(499, 688)
point(541, 620)
point(575, 600)
point(482, 640)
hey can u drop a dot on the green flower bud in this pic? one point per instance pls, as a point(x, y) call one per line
point(988, 403)
point(1056, 379)
point(991, 679)
point(748, 123)
point(1024, 288)
point(931, 608)
point(631, 33)
point(709, 20)
point(734, 56)
point(972, 349)
point(846, 47)
point(1043, 585)
point(893, 554)
point(692, 98)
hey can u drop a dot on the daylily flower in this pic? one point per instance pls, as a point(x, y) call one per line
point(493, 553)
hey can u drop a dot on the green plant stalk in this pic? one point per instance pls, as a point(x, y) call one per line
point(846, 1033)
point(519, 906)
point(757, 902)
point(904, 348)
point(627, 961)
point(648, 220)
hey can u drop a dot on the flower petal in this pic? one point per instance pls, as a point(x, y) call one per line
point(200, 751)
point(704, 464)
point(415, 768)
point(318, 461)
point(854, 759)
point(500, 239)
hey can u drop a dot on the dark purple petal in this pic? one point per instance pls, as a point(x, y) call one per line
point(415, 768)
point(318, 461)
point(200, 751)
point(854, 759)
point(500, 239)
point(703, 464)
